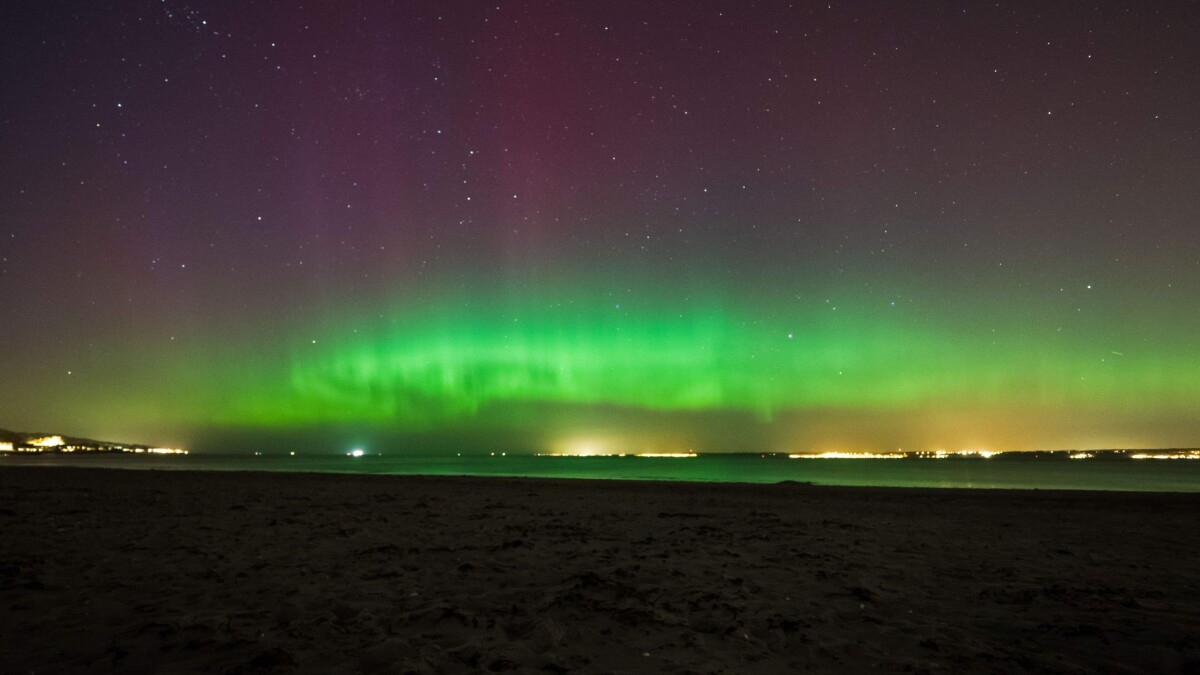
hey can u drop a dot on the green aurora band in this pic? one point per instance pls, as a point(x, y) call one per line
point(460, 362)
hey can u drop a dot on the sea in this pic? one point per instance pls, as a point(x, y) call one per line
point(1116, 471)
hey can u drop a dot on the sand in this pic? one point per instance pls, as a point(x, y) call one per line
point(139, 571)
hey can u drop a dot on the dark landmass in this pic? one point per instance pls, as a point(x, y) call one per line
point(29, 442)
point(143, 571)
point(24, 441)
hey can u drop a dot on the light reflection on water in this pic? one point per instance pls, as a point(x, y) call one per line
point(1042, 472)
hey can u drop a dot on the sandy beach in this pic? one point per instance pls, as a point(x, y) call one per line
point(140, 571)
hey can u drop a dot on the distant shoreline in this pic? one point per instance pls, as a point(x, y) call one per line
point(33, 463)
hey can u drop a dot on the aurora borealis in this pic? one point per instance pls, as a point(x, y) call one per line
point(718, 226)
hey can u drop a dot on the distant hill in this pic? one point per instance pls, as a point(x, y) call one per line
point(24, 437)
point(48, 442)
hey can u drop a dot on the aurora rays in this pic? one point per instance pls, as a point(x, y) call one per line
point(668, 226)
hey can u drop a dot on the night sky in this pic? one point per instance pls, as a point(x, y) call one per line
point(638, 225)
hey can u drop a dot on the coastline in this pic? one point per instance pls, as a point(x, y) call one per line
point(130, 570)
point(1110, 471)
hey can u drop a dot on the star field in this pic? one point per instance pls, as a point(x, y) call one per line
point(705, 224)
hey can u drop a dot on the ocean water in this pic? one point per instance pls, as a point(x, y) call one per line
point(1044, 471)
